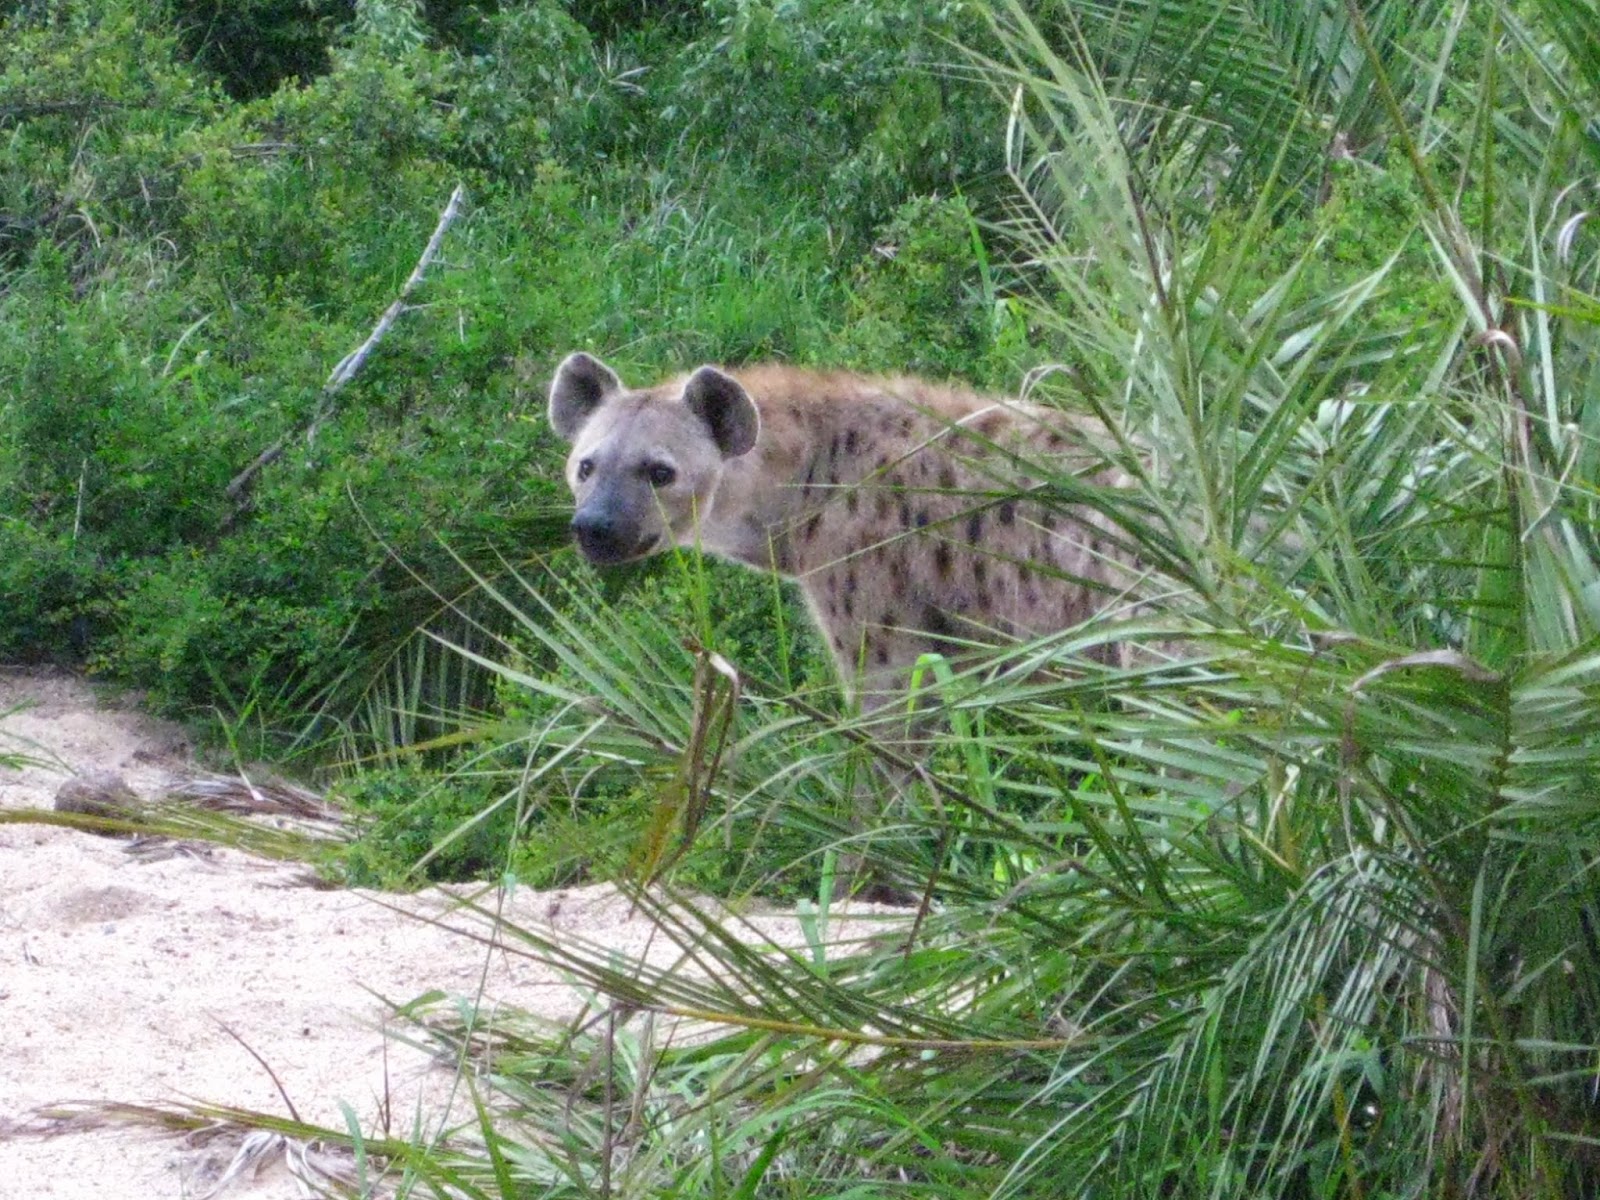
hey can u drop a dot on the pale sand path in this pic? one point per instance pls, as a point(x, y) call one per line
point(117, 975)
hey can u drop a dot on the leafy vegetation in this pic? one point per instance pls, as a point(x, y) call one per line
point(1306, 909)
point(188, 254)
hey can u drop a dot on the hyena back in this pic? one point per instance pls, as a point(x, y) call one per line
point(896, 504)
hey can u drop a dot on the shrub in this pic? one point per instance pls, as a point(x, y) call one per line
point(253, 47)
point(886, 115)
point(923, 299)
point(408, 815)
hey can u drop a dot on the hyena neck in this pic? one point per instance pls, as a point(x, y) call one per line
point(767, 509)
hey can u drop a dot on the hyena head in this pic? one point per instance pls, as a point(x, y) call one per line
point(645, 465)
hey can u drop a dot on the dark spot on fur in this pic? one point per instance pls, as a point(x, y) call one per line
point(980, 572)
point(975, 526)
point(881, 653)
point(811, 526)
point(941, 560)
point(853, 502)
point(990, 424)
point(881, 505)
point(922, 517)
point(851, 441)
point(905, 514)
point(833, 449)
point(838, 642)
point(1008, 512)
point(889, 620)
point(1032, 597)
point(850, 582)
point(1024, 572)
point(849, 604)
point(984, 601)
point(947, 478)
point(833, 585)
point(1054, 441)
point(940, 629)
point(883, 461)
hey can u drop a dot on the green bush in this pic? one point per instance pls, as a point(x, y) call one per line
point(408, 815)
point(97, 102)
point(889, 110)
point(255, 46)
point(925, 300)
point(52, 593)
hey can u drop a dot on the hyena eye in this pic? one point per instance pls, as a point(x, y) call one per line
point(585, 469)
point(661, 475)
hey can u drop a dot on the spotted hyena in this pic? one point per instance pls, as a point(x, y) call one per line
point(896, 504)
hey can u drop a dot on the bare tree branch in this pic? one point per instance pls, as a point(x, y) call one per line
point(79, 106)
point(238, 490)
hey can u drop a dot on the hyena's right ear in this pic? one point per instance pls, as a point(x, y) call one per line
point(582, 384)
point(726, 408)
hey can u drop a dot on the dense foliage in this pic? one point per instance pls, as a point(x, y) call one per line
point(207, 207)
point(1306, 908)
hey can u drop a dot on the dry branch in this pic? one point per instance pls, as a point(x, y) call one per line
point(350, 364)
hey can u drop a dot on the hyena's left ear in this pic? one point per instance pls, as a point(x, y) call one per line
point(582, 384)
point(726, 409)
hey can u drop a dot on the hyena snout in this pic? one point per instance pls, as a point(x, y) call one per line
point(604, 541)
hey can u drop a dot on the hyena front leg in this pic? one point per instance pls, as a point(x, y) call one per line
point(890, 764)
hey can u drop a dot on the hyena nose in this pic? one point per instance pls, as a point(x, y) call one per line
point(598, 538)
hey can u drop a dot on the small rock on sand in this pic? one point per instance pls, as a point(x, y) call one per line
point(98, 794)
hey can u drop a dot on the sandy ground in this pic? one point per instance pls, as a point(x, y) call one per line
point(120, 977)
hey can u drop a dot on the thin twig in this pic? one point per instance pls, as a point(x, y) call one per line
point(351, 363)
point(265, 1066)
point(77, 519)
point(82, 106)
point(608, 1137)
point(346, 370)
